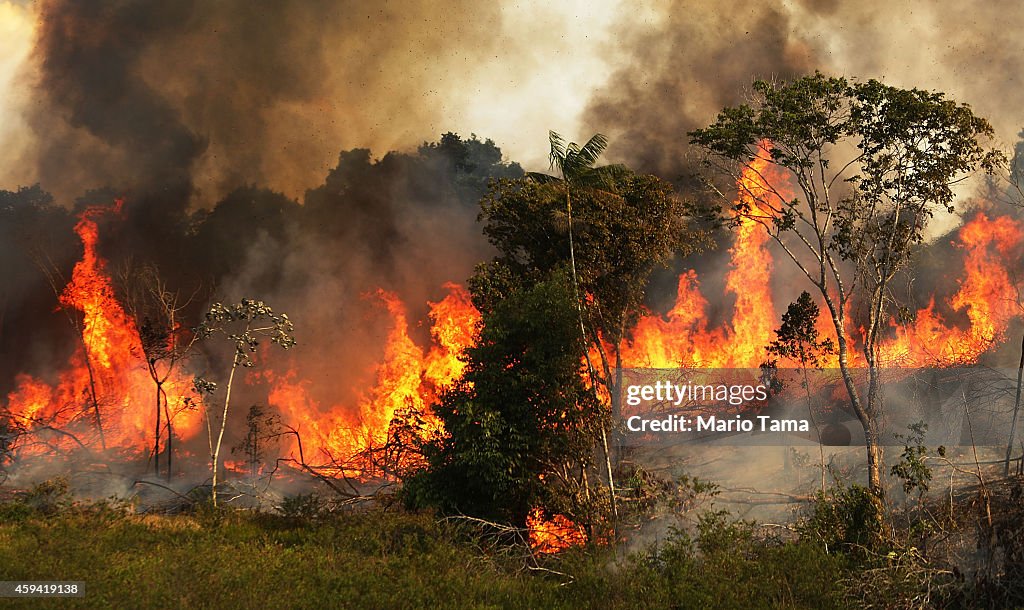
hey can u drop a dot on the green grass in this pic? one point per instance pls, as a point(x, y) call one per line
point(381, 560)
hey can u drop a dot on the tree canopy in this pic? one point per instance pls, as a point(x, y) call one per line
point(853, 172)
point(521, 419)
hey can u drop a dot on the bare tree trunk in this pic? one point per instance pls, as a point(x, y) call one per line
point(865, 415)
point(814, 422)
point(874, 461)
point(1016, 409)
point(876, 452)
point(170, 437)
point(611, 479)
point(156, 435)
point(223, 425)
point(95, 398)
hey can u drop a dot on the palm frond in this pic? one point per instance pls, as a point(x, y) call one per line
point(542, 178)
point(592, 150)
point(558, 152)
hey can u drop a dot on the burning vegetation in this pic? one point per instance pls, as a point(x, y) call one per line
point(456, 327)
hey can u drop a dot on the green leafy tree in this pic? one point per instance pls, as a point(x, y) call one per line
point(519, 426)
point(608, 225)
point(798, 340)
point(870, 165)
point(611, 226)
point(243, 324)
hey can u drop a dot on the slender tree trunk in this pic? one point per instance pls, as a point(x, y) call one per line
point(156, 434)
point(611, 479)
point(874, 461)
point(586, 345)
point(95, 398)
point(1016, 410)
point(814, 422)
point(875, 450)
point(864, 414)
point(220, 434)
point(170, 437)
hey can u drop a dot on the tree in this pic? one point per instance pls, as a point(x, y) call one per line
point(519, 426)
point(165, 343)
point(797, 339)
point(242, 324)
point(8, 434)
point(262, 427)
point(870, 165)
point(610, 226)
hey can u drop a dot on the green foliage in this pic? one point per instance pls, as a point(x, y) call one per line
point(223, 561)
point(854, 172)
point(368, 202)
point(912, 467)
point(385, 560)
point(621, 233)
point(48, 497)
point(302, 506)
point(648, 493)
point(520, 415)
point(847, 519)
point(243, 324)
point(388, 559)
point(909, 150)
point(798, 338)
point(728, 565)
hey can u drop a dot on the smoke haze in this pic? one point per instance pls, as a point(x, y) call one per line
point(219, 120)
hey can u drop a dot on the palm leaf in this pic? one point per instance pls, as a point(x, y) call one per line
point(592, 150)
point(542, 178)
point(558, 151)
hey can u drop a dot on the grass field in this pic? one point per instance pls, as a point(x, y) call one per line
point(382, 560)
point(307, 557)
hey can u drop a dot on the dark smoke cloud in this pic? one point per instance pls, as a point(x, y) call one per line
point(101, 119)
point(149, 96)
point(676, 73)
point(677, 69)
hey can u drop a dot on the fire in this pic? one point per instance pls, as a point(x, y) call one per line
point(407, 381)
point(987, 295)
point(105, 386)
point(105, 383)
point(553, 535)
point(682, 337)
point(454, 325)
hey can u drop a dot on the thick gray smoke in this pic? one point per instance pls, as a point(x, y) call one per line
point(220, 95)
point(677, 65)
point(678, 71)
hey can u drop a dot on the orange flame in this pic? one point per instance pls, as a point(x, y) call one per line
point(408, 380)
point(105, 371)
point(987, 294)
point(553, 535)
point(682, 337)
